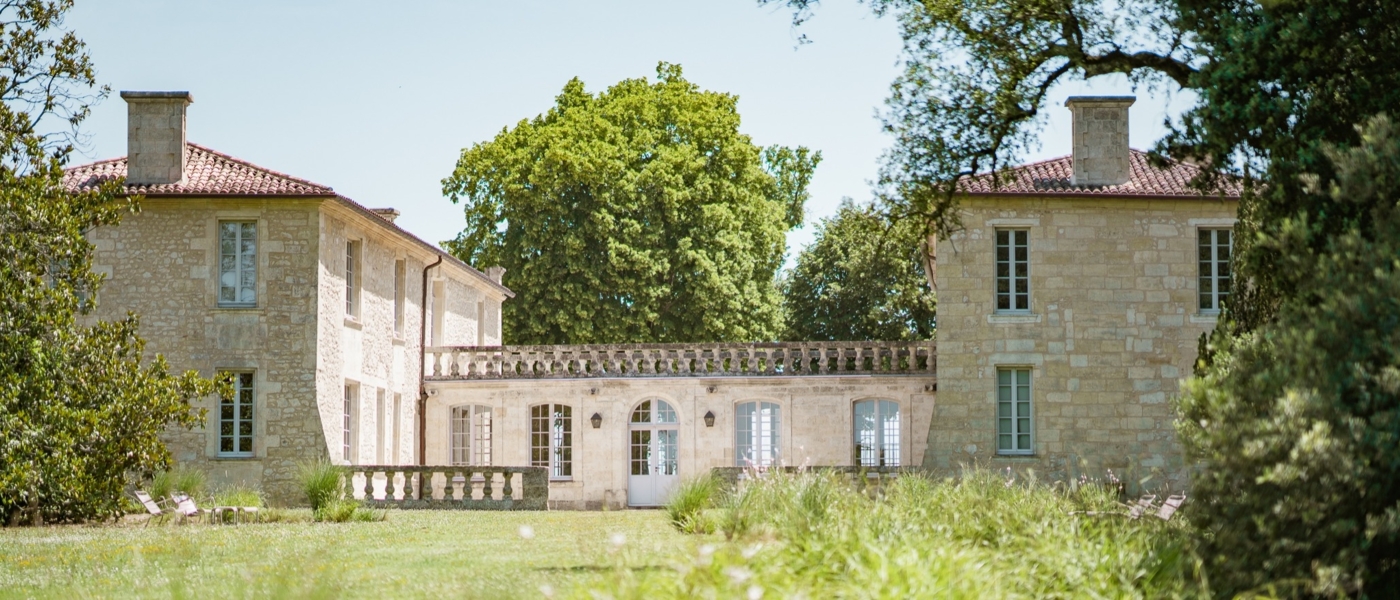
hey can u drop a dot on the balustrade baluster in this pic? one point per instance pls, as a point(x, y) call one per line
point(369, 485)
point(389, 485)
point(507, 491)
point(487, 478)
point(425, 486)
point(350, 483)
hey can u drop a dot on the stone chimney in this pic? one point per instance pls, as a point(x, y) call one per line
point(388, 214)
point(496, 273)
point(1100, 139)
point(155, 136)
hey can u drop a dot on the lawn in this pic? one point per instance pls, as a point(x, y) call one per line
point(440, 554)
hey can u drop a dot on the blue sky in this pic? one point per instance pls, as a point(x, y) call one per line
point(379, 103)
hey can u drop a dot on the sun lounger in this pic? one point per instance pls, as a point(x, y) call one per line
point(152, 505)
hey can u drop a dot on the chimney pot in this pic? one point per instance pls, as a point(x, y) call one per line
point(1100, 140)
point(155, 136)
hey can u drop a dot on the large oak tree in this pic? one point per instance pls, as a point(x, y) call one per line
point(638, 214)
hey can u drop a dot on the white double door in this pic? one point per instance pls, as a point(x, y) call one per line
point(653, 466)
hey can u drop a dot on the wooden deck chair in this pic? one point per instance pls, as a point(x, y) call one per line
point(185, 506)
point(152, 505)
point(1144, 504)
point(1170, 506)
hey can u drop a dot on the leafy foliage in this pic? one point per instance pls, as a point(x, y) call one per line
point(862, 278)
point(179, 479)
point(637, 214)
point(811, 535)
point(688, 502)
point(78, 408)
point(1297, 423)
point(1275, 81)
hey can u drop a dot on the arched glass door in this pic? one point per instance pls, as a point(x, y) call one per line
point(653, 467)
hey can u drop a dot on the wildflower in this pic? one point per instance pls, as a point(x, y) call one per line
point(618, 540)
point(706, 555)
point(527, 532)
point(738, 574)
point(755, 592)
point(547, 590)
point(751, 551)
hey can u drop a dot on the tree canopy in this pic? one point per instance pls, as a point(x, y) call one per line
point(862, 278)
point(640, 213)
point(80, 409)
point(1275, 82)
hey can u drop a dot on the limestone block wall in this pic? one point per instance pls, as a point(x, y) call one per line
point(163, 265)
point(1112, 329)
point(815, 425)
point(364, 351)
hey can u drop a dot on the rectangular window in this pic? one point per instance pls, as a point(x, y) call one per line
point(1013, 270)
point(238, 263)
point(236, 418)
point(877, 433)
point(400, 295)
point(471, 436)
point(1014, 411)
point(480, 323)
point(552, 439)
point(352, 279)
point(1215, 248)
point(347, 452)
point(756, 434)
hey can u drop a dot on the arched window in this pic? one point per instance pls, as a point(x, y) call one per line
point(552, 439)
point(471, 435)
point(876, 433)
point(756, 434)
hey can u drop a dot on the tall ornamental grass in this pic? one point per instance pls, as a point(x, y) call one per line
point(983, 535)
point(321, 482)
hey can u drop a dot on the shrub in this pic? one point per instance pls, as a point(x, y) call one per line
point(687, 505)
point(239, 496)
point(179, 479)
point(321, 481)
point(1296, 425)
point(983, 535)
point(343, 510)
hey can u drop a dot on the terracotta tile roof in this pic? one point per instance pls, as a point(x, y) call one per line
point(1052, 178)
point(207, 173)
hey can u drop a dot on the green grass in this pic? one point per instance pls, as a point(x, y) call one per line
point(982, 536)
point(439, 554)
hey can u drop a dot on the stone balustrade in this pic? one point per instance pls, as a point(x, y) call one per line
point(459, 487)
point(680, 360)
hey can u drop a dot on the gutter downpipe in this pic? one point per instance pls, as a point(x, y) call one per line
point(422, 365)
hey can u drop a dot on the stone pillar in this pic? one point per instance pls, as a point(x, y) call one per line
point(1100, 139)
point(155, 136)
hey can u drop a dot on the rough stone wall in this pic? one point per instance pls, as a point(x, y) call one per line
point(1113, 328)
point(162, 264)
point(815, 422)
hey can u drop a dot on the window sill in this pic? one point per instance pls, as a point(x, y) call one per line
point(1012, 318)
point(353, 323)
point(398, 340)
point(233, 457)
point(1014, 455)
point(562, 480)
point(1205, 318)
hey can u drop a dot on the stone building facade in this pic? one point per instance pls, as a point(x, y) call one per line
point(1070, 303)
point(1084, 295)
point(236, 268)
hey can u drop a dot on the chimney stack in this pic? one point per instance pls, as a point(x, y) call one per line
point(1100, 138)
point(388, 214)
point(155, 136)
point(496, 273)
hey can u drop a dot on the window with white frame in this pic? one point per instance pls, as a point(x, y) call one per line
point(1013, 270)
point(756, 434)
point(352, 278)
point(1214, 251)
point(400, 295)
point(471, 435)
point(236, 418)
point(876, 433)
point(552, 439)
point(238, 263)
point(1014, 411)
point(352, 396)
